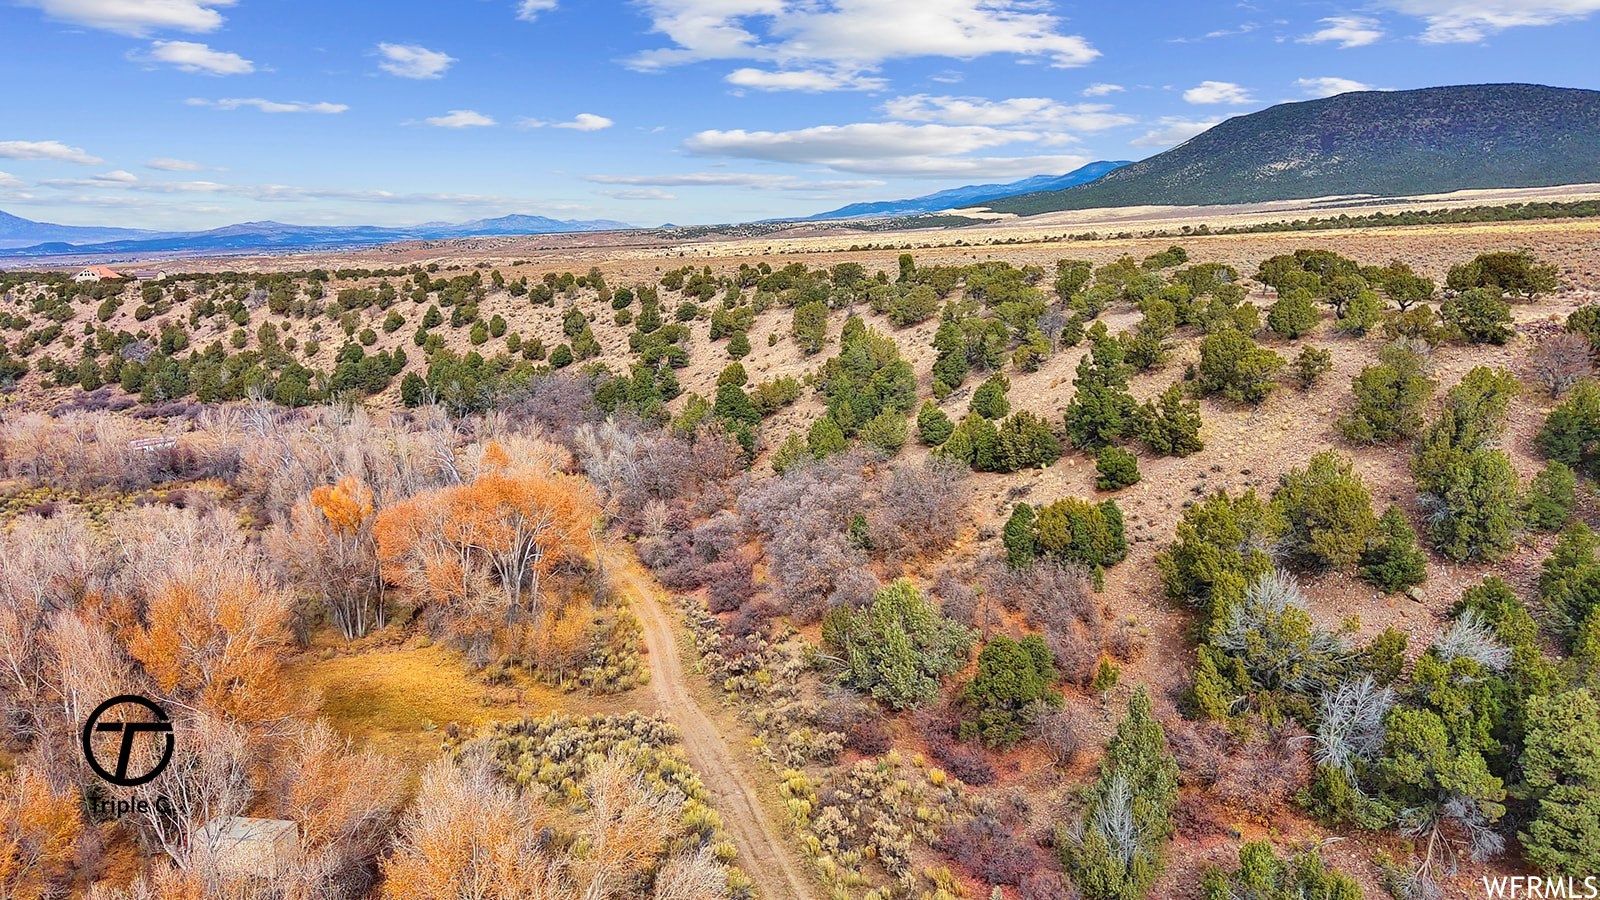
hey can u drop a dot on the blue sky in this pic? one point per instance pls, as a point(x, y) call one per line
point(198, 113)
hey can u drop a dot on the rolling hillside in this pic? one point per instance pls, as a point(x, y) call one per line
point(970, 194)
point(1385, 143)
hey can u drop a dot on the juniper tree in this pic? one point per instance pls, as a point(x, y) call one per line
point(1116, 468)
point(1114, 851)
point(1550, 497)
point(1392, 560)
point(1294, 314)
point(1101, 411)
point(1326, 511)
point(989, 400)
point(898, 648)
point(1170, 424)
point(1560, 767)
point(1012, 677)
point(933, 426)
point(1389, 398)
point(1235, 366)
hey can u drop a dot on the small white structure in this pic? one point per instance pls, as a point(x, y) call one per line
point(149, 274)
point(97, 273)
point(241, 847)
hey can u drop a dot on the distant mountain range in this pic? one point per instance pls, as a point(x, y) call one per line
point(1383, 143)
point(23, 238)
point(970, 195)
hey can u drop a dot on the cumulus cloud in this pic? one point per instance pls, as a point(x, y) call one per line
point(168, 164)
point(460, 118)
point(1469, 21)
point(759, 181)
point(809, 80)
point(888, 148)
point(137, 18)
point(117, 176)
point(269, 106)
point(529, 10)
point(852, 37)
point(580, 122)
point(1102, 89)
point(414, 61)
point(1038, 112)
point(53, 150)
point(189, 56)
point(1346, 31)
point(1172, 131)
point(1328, 87)
point(641, 194)
point(1213, 92)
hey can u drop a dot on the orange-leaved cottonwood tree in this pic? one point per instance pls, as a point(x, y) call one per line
point(479, 549)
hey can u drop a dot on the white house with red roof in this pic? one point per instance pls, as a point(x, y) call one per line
point(97, 273)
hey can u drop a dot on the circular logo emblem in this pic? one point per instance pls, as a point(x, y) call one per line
point(157, 725)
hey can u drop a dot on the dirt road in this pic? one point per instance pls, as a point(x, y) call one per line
point(763, 855)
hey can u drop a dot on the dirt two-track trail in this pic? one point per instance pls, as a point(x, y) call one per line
point(763, 855)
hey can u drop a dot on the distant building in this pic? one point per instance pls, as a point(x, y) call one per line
point(149, 274)
point(240, 847)
point(97, 273)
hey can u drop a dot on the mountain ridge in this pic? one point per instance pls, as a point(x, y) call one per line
point(1378, 143)
point(44, 239)
point(969, 195)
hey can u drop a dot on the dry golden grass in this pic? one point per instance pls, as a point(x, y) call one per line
point(402, 700)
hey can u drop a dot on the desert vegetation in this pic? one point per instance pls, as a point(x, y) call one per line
point(924, 523)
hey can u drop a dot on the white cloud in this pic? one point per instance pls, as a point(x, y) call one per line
point(47, 150)
point(200, 59)
point(413, 61)
point(270, 106)
point(168, 164)
point(641, 194)
point(888, 148)
point(137, 18)
point(855, 35)
point(1102, 89)
point(1346, 31)
point(529, 10)
point(586, 122)
point(460, 118)
point(1209, 92)
point(117, 176)
point(809, 80)
point(1038, 112)
point(977, 167)
point(1328, 87)
point(827, 144)
point(758, 181)
point(580, 122)
point(8, 180)
point(1173, 131)
point(1469, 21)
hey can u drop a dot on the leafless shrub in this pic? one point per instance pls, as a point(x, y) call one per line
point(1350, 725)
point(1561, 360)
point(1472, 638)
point(921, 510)
point(854, 588)
point(805, 516)
point(990, 849)
point(1262, 632)
point(730, 582)
point(1256, 772)
point(1058, 600)
point(1060, 732)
